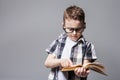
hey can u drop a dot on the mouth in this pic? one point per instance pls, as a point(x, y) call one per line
point(74, 36)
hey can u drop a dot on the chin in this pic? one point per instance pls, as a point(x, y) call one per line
point(74, 40)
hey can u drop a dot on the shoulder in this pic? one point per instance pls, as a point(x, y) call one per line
point(88, 43)
point(90, 46)
point(62, 37)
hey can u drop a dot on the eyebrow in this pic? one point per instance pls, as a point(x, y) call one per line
point(74, 28)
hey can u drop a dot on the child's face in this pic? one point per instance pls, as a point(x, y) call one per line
point(73, 28)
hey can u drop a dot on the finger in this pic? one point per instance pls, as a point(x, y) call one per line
point(67, 63)
point(85, 72)
point(81, 72)
point(70, 62)
point(77, 70)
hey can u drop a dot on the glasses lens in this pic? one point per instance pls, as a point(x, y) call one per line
point(70, 30)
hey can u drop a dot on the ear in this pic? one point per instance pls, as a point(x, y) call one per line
point(63, 24)
point(84, 25)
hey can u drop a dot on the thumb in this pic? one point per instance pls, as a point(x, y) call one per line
point(70, 63)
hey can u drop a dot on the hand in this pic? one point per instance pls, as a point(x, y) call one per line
point(81, 72)
point(65, 63)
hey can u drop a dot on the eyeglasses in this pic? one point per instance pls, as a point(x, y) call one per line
point(70, 30)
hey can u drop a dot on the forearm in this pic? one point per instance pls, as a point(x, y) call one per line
point(86, 61)
point(82, 71)
point(52, 61)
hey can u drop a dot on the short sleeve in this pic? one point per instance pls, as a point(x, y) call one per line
point(52, 48)
point(90, 53)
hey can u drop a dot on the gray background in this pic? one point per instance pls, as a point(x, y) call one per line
point(27, 27)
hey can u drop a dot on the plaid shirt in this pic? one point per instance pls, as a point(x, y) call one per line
point(88, 52)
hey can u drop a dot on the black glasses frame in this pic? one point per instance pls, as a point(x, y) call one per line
point(70, 30)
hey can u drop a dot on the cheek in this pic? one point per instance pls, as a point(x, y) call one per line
point(69, 35)
point(75, 35)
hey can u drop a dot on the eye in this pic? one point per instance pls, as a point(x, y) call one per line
point(71, 29)
point(78, 29)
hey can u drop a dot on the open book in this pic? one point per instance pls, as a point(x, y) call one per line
point(97, 67)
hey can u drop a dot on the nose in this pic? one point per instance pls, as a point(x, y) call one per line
point(74, 32)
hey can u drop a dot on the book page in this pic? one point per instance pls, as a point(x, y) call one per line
point(97, 67)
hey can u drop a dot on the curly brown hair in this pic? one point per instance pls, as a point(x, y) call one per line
point(75, 13)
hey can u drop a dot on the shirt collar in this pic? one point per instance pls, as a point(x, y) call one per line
point(64, 36)
point(81, 40)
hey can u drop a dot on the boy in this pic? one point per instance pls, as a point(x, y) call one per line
point(70, 48)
